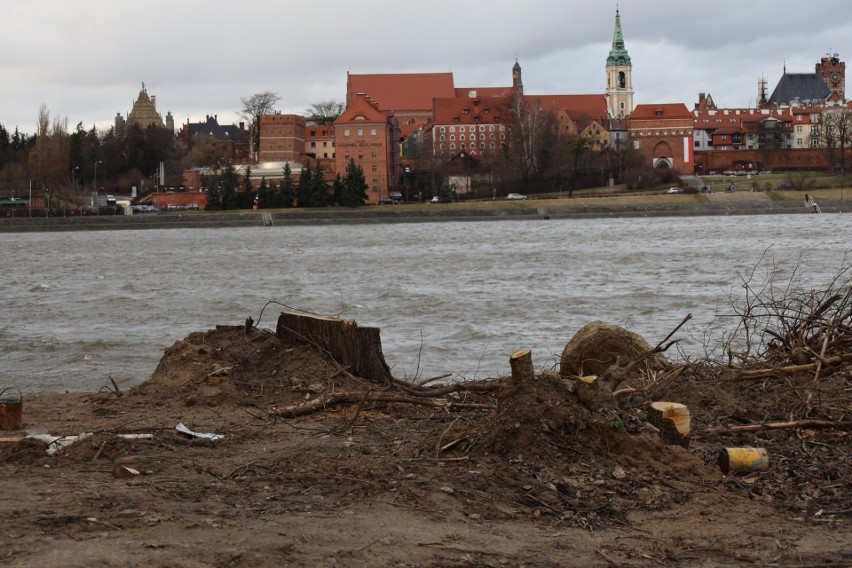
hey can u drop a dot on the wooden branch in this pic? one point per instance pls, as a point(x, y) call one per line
point(763, 373)
point(808, 423)
point(332, 399)
point(659, 347)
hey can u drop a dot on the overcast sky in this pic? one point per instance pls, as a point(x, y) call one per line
point(87, 60)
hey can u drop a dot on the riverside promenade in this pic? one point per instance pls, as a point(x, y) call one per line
point(739, 203)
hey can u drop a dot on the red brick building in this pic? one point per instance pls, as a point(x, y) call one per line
point(662, 133)
point(282, 138)
point(370, 137)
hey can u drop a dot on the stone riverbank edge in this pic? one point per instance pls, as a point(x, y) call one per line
point(393, 214)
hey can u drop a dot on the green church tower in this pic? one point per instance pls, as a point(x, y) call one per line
point(619, 75)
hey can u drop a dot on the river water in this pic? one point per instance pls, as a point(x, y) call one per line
point(449, 297)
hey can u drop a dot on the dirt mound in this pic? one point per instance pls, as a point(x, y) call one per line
point(316, 464)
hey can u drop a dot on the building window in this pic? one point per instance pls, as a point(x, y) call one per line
point(461, 137)
point(452, 147)
point(799, 142)
point(452, 137)
point(373, 154)
point(346, 132)
point(441, 129)
point(360, 132)
point(452, 128)
point(799, 128)
point(372, 131)
point(374, 168)
point(313, 144)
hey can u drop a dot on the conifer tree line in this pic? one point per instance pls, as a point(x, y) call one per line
point(229, 190)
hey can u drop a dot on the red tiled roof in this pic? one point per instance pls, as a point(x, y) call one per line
point(465, 110)
point(668, 110)
point(483, 92)
point(581, 108)
point(363, 107)
point(401, 91)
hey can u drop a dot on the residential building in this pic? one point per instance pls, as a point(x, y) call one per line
point(233, 139)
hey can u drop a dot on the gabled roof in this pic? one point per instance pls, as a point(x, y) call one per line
point(794, 87)
point(362, 110)
point(401, 91)
point(211, 127)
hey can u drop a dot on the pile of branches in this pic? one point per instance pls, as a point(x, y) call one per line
point(787, 332)
point(787, 326)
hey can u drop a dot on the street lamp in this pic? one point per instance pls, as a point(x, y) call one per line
point(74, 171)
point(95, 188)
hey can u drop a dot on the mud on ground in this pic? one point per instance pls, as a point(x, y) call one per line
point(501, 477)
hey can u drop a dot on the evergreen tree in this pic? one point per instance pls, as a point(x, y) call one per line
point(287, 189)
point(245, 198)
point(320, 188)
point(214, 193)
point(265, 195)
point(229, 182)
point(354, 191)
point(304, 191)
point(337, 187)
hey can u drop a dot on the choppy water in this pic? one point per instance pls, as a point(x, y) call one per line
point(449, 297)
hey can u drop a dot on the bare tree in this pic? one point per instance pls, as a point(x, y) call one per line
point(325, 112)
point(835, 135)
point(254, 107)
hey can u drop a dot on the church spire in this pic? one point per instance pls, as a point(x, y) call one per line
point(619, 75)
point(618, 54)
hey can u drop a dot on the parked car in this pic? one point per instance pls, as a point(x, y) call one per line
point(705, 189)
point(436, 199)
point(387, 201)
point(674, 190)
point(785, 186)
point(516, 196)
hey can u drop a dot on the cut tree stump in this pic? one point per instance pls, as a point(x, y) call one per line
point(522, 368)
point(672, 418)
point(739, 460)
point(588, 390)
point(359, 349)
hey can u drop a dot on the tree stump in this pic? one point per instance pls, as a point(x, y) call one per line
point(522, 368)
point(357, 348)
point(672, 418)
point(588, 391)
point(737, 460)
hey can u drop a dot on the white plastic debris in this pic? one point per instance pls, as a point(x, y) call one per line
point(184, 430)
